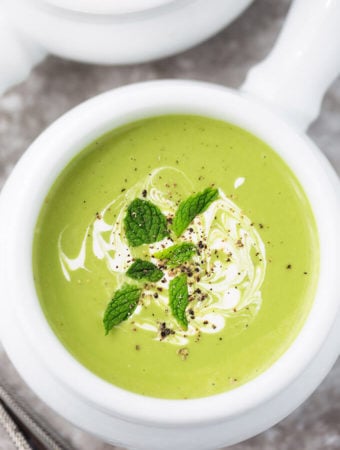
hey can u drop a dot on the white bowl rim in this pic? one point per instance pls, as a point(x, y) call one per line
point(66, 137)
point(111, 7)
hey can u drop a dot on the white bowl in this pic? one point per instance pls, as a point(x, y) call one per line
point(122, 417)
point(105, 31)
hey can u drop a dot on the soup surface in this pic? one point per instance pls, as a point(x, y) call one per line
point(244, 282)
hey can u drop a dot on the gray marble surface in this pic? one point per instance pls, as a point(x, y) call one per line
point(57, 85)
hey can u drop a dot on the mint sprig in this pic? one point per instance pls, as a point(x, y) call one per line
point(123, 304)
point(144, 223)
point(144, 270)
point(177, 254)
point(179, 299)
point(192, 207)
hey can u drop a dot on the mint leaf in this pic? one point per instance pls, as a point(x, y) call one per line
point(191, 207)
point(144, 270)
point(178, 299)
point(144, 223)
point(122, 305)
point(177, 254)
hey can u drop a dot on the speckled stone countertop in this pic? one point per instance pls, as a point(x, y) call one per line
point(57, 85)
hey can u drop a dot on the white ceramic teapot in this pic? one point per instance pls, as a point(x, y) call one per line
point(104, 32)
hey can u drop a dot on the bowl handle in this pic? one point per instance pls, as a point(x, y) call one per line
point(18, 55)
point(303, 63)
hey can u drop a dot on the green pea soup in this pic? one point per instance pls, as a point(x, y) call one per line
point(251, 282)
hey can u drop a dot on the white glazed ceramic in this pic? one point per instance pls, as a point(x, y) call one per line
point(104, 31)
point(145, 423)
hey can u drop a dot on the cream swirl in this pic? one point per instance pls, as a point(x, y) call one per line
point(229, 268)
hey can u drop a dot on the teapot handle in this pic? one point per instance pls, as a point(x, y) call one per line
point(303, 63)
point(18, 55)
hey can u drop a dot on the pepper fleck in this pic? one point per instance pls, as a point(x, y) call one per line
point(183, 353)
